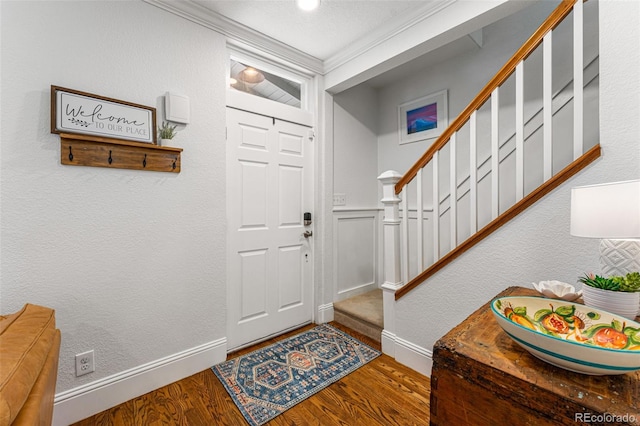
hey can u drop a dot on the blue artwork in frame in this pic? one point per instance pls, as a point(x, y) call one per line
point(423, 118)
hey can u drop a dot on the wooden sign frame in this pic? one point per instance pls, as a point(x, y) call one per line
point(73, 111)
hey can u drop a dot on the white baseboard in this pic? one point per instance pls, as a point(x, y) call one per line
point(388, 342)
point(86, 400)
point(406, 353)
point(414, 356)
point(325, 313)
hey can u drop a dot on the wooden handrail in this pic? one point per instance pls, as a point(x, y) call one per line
point(573, 168)
point(527, 48)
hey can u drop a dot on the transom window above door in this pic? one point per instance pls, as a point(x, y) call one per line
point(256, 81)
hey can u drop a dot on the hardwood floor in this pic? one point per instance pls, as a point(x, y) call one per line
point(383, 392)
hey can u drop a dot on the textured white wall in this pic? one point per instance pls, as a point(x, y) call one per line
point(133, 262)
point(536, 245)
point(355, 146)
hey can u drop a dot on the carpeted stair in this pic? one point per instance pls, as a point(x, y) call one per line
point(362, 313)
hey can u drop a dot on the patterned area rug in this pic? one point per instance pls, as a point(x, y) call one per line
point(269, 381)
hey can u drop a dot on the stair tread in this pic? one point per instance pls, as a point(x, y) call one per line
point(366, 307)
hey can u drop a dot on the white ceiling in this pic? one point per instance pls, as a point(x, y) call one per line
point(339, 31)
point(336, 26)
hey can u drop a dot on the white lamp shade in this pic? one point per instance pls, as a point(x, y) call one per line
point(610, 210)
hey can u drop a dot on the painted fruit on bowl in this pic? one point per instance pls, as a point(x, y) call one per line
point(570, 335)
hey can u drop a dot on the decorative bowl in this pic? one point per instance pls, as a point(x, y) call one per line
point(557, 290)
point(569, 335)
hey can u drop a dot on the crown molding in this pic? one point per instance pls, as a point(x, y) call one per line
point(385, 33)
point(239, 34)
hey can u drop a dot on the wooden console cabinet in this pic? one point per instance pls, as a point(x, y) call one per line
point(481, 377)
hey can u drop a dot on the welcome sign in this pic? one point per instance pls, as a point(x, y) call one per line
point(79, 112)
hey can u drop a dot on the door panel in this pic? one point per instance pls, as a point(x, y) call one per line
point(269, 261)
point(291, 277)
point(253, 194)
point(253, 266)
point(290, 195)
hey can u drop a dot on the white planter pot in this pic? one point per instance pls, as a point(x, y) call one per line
point(617, 302)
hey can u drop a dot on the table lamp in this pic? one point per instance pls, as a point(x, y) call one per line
point(611, 212)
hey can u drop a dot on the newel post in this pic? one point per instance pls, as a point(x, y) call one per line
point(391, 255)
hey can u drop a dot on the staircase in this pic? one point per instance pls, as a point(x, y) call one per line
point(511, 184)
point(465, 204)
point(443, 206)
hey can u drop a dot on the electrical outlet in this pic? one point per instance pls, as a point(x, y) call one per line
point(84, 363)
point(339, 199)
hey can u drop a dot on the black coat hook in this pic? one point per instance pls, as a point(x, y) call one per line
point(144, 162)
point(70, 154)
point(110, 160)
point(174, 163)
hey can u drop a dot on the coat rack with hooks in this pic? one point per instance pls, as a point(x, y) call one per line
point(83, 150)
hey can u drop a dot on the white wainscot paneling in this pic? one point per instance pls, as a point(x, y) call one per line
point(355, 251)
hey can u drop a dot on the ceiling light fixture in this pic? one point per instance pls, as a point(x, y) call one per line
point(308, 5)
point(251, 75)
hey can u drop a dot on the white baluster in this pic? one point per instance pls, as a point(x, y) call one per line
point(473, 174)
point(404, 252)
point(453, 192)
point(436, 208)
point(547, 106)
point(520, 131)
point(578, 83)
point(419, 223)
point(495, 153)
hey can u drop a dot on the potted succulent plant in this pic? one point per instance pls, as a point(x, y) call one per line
point(617, 294)
point(166, 131)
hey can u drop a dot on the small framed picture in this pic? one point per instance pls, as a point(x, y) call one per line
point(423, 118)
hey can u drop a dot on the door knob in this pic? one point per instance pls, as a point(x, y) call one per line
point(307, 234)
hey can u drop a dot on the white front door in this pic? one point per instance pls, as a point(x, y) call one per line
point(269, 257)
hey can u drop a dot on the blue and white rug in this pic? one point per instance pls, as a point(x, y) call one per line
point(269, 381)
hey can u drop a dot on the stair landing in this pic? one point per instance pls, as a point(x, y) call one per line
point(362, 313)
